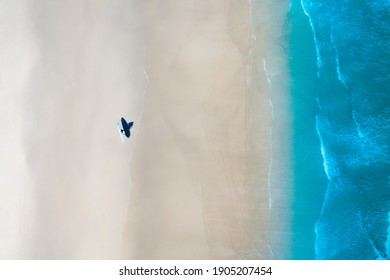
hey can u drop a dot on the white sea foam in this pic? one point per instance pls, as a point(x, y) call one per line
point(270, 133)
point(327, 166)
point(340, 76)
point(319, 59)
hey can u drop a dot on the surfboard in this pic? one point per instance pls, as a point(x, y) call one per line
point(119, 130)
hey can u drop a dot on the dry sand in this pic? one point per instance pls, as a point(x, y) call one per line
point(193, 182)
point(71, 69)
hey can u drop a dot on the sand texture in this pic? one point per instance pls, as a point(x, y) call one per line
point(195, 179)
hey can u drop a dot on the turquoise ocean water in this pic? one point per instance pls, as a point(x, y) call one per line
point(339, 63)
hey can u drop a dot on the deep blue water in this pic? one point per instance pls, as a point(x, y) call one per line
point(339, 59)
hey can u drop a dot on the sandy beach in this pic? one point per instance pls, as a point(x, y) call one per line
point(190, 161)
point(201, 165)
point(73, 69)
point(198, 177)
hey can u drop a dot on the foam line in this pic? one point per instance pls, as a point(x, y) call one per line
point(270, 133)
point(319, 60)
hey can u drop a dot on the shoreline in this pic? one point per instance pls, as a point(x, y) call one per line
point(200, 107)
point(271, 95)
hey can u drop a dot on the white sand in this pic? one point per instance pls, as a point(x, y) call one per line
point(73, 68)
point(192, 182)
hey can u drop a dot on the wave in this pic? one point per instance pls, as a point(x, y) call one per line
point(353, 125)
